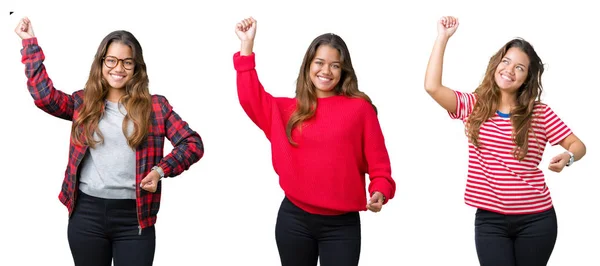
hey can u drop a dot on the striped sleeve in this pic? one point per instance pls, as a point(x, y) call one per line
point(556, 129)
point(464, 105)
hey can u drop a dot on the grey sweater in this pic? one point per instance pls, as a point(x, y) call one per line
point(108, 170)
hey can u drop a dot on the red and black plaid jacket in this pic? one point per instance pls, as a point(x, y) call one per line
point(187, 144)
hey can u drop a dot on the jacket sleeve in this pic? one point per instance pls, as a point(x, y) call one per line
point(41, 88)
point(187, 143)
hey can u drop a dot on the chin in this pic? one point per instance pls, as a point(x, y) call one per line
point(117, 86)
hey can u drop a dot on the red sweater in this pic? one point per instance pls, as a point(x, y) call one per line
point(325, 173)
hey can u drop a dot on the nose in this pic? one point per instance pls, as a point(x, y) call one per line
point(326, 69)
point(511, 69)
point(120, 65)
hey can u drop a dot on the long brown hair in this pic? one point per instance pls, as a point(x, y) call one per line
point(528, 95)
point(137, 99)
point(306, 97)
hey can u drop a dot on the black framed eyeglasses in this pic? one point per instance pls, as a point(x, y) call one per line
point(112, 62)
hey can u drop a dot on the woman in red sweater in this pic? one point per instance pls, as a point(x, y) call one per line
point(508, 128)
point(323, 142)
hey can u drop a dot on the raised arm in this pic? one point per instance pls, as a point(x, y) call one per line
point(41, 88)
point(255, 101)
point(443, 95)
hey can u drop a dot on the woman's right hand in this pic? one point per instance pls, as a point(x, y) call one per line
point(246, 29)
point(447, 26)
point(24, 29)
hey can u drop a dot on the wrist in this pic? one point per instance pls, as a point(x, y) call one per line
point(159, 170)
point(570, 158)
point(382, 196)
point(246, 47)
point(442, 38)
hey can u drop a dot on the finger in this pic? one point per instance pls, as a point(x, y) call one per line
point(376, 205)
point(147, 184)
point(147, 180)
point(374, 208)
point(372, 200)
point(371, 208)
point(149, 188)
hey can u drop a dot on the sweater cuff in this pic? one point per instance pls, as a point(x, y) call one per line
point(30, 41)
point(384, 188)
point(243, 62)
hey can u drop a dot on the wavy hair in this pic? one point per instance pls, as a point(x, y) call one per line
point(306, 97)
point(137, 99)
point(528, 95)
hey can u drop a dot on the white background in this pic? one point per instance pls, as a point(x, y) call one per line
point(223, 210)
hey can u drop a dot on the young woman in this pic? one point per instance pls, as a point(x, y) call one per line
point(323, 142)
point(111, 186)
point(507, 127)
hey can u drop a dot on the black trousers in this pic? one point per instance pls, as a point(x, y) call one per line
point(302, 238)
point(101, 230)
point(515, 240)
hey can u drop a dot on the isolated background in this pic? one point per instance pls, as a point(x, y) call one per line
point(223, 210)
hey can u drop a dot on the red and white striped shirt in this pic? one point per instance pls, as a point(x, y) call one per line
point(497, 181)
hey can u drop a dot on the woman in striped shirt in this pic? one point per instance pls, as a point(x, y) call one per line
point(507, 127)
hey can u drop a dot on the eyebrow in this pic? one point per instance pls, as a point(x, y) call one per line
point(506, 57)
point(316, 58)
point(118, 57)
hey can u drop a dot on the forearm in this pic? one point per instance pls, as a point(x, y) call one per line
point(184, 154)
point(39, 84)
point(578, 149)
point(433, 75)
point(246, 48)
point(255, 101)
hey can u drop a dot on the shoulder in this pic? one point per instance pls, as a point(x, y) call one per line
point(161, 104)
point(359, 104)
point(157, 98)
point(359, 108)
point(540, 107)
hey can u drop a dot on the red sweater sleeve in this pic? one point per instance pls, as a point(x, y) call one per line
point(256, 102)
point(376, 155)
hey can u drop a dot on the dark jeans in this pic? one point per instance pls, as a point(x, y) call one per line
point(302, 237)
point(515, 240)
point(101, 230)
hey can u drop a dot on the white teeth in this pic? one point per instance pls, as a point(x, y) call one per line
point(324, 79)
point(116, 76)
point(506, 77)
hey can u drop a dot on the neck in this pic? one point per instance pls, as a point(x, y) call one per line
point(507, 102)
point(114, 95)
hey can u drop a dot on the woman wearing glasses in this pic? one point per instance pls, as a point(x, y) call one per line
point(111, 186)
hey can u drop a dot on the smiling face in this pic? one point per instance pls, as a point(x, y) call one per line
point(119, 75)
point(512, 71)
point(325, 70)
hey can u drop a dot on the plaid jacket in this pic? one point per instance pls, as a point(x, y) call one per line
point(188, 146)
